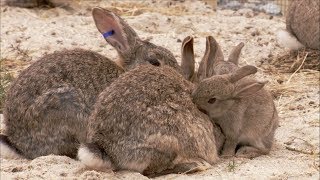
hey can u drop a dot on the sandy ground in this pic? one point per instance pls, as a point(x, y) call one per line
point(27, 34)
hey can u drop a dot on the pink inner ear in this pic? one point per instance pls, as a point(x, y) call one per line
point(107, 22)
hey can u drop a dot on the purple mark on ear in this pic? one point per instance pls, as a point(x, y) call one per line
point(107, 34)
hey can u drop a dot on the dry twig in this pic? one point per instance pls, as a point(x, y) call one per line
point(301, 151)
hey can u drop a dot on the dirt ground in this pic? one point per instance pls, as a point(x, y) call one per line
point(27, 34)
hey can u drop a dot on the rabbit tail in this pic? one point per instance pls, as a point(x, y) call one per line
point(94, 157)
point(7, 150)
point(288, 40)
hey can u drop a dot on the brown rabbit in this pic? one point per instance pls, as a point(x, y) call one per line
point(146, 122)
point(212, 63)
point(47, 106)
point(302, 24)
point(245, 112)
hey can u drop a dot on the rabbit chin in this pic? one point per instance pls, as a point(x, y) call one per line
point(91, 160)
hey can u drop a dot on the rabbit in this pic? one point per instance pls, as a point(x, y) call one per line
point(302, 25)
point(47, 106)
point(219, 110)
point(244, 110)
point(145, 121)
point(212, 63)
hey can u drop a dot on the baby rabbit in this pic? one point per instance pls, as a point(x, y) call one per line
point(245, 112)
point(145, 121)
point(47, 106)
point(302, 25)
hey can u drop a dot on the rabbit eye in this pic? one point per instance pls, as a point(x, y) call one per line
point(154, 62)
point(212, 100)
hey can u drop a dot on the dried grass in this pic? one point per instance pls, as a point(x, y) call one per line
point(5, 79)
point(290, 62)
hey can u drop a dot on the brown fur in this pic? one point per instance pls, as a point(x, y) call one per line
point(48, 105)
point(302, 21)
point(245, 112)
point(145, 121)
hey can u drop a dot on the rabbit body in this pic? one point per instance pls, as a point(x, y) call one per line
point(245, 112)
point(248, 119)
point(145, 121)
point(48, 105)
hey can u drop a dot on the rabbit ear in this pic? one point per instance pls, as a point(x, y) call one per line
point(249, 89)
point(114, 29)
point(235, 54)
point(213, 54)
point(242, 72)
point(187, 58)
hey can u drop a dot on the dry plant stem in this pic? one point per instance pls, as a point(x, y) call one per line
point(305, 57)
point(300, 151)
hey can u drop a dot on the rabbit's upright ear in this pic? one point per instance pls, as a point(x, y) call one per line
point(187, 58)
point(114, 29)
point(242, 72)
point(213, 54)
point(249, 89)
point(235, 54)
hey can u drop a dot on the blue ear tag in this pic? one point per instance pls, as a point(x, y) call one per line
point(107, 34)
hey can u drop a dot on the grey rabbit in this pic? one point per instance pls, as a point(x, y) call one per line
point(145, 121)
point(47, 106)
point(244, 110)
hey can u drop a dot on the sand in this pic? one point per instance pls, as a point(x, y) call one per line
point(27, 34)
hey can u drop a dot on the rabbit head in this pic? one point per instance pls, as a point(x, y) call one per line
point(131, 49)
point(212, 63)
point(217, 94)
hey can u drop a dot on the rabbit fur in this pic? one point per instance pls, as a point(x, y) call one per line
point(145, 121)
point(206, 69)
point(47, 106)
point(239, 105)
point(302, 23)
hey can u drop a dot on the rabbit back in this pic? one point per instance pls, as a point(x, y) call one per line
point(53, 94)
point(260, 119)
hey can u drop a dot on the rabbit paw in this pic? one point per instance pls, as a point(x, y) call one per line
point(248, 152)
point(192, 167)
